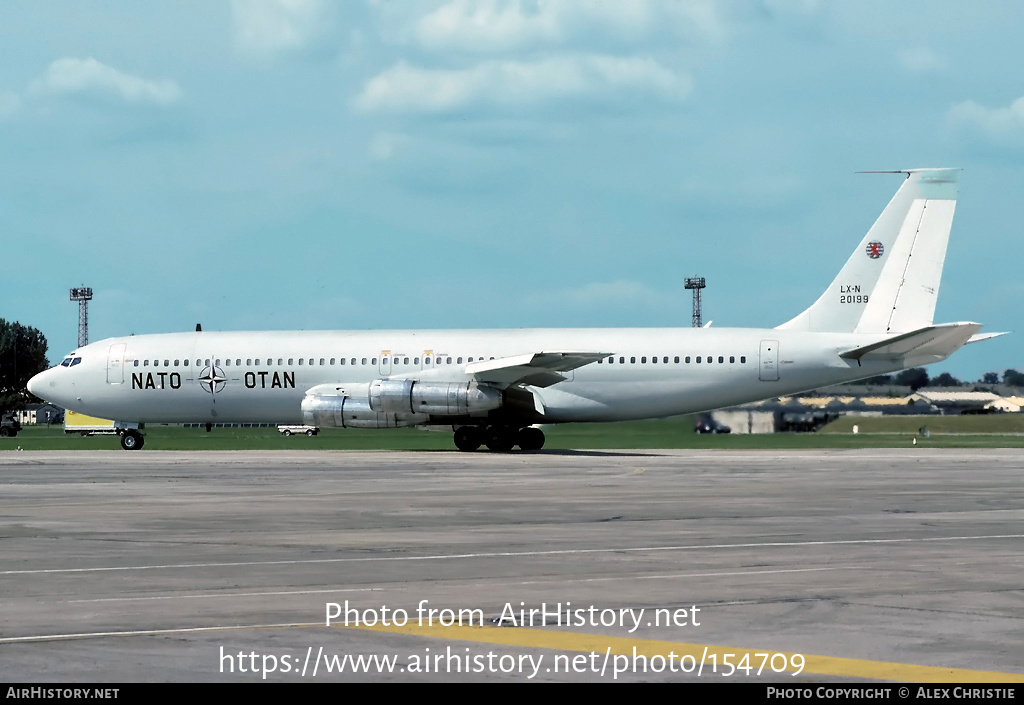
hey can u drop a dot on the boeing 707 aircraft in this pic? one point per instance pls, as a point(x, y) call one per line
point(496, 387)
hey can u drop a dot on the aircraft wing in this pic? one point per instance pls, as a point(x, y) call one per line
point(941, 340)
point(540, 369)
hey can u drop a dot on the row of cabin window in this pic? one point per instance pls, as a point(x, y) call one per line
point(676, 359)
point(416, 361)
point(303, 361)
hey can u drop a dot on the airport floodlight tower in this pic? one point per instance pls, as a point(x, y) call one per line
point(696, 283)
point(83, 295)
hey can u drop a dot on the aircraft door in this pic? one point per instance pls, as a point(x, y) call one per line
point(385, 363)
point(115, 363)
point(769, 361)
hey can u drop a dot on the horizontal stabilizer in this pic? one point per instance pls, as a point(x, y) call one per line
point(985, 336)
point(539, 369)
point(939, 341)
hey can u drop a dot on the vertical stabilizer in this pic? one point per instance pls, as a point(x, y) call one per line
point(890, 284)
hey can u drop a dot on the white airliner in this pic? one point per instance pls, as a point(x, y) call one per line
point(495, 387)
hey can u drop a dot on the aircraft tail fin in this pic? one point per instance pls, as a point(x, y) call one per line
point(890, 284)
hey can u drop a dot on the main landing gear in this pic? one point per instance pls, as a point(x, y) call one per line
point(499, 439)
point(132, 439)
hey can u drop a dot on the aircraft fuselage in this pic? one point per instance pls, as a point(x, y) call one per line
point(262, 377)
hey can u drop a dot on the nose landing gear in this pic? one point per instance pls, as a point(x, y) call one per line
point(132, 439)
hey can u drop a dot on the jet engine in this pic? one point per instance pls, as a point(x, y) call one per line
point(394, 403)
point(339, 411)
point(407, 396)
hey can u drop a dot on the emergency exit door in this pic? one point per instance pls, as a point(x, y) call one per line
point(769, 363)
point(115, 363)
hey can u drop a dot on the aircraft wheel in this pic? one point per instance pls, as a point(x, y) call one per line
point(467, 438)
point(530, 438)
point(500, 439)
point(132, 440)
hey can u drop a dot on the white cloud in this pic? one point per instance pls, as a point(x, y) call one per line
point(73, 76)
point(486, 25)
point(268, 27)
point(497, 25)
point(920, 59)
point(406, 88)
point(10, 103)
point(997, 123)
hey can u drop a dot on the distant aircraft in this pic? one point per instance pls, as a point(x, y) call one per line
point(495, 387)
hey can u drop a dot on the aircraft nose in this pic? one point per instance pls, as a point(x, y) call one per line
point(37, 384)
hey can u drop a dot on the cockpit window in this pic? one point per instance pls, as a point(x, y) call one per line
point(65, 362)
point(76, 361)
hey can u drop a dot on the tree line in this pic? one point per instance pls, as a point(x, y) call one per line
point(22, 355)
point(917, 377)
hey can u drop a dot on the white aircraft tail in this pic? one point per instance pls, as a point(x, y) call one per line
point(891, 282)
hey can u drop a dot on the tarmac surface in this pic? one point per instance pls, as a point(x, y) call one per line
point(888, 565)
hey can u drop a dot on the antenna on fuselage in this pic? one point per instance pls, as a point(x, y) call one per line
point(199, 327)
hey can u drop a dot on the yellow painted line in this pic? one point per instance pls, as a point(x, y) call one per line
point(624, 646)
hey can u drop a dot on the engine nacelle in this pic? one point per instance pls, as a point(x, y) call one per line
point(340, 411)
point(405, 396)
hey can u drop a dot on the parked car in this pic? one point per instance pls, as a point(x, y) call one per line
point(289, 430)
point(706, 424)
point(9, 426)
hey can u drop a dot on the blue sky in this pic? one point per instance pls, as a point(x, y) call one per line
point(298, 164)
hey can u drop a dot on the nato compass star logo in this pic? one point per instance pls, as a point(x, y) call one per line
point(212, 379)
point(874, 250)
